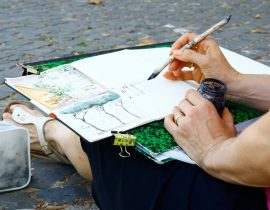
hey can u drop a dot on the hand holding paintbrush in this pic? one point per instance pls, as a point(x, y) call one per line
point(191, 44)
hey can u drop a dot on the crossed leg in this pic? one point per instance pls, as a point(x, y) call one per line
point(61, 138)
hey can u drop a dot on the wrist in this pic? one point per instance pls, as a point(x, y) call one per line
point(219, 161)
point(213, 160)
point(233, 81)
point(208, 161)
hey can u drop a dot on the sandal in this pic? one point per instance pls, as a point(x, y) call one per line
point(20, 116)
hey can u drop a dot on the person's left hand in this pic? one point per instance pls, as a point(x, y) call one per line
point(197, 127)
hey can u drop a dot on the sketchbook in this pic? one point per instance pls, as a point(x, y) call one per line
point(105, 93)
point(97, 95)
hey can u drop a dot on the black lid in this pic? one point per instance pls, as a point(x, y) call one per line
point(213, 86)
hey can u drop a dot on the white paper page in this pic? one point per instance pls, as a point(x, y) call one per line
point(178, 154)
point(239, 62)
point(154, 56)
point(160, 95)
point(117, 69)
point(245, 65)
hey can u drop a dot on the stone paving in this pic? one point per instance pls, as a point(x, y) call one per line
point(41, 30)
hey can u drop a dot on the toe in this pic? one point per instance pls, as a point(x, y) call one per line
point(7, 116)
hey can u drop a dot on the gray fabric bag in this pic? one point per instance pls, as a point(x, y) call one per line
point(15, 162)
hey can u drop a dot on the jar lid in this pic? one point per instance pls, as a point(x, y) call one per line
point(213, 86)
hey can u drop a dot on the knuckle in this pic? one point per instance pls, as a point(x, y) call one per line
point(188, 53)
point(192, 115)
point(180, 105)
point(214, 43)
point(189, 92)
point(205, 61)
point(207, 105)
point(185, 125)
point(187, 34)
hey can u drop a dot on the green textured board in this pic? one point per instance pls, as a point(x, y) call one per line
point(156, 138)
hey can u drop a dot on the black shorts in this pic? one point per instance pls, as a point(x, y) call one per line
point(137, 183)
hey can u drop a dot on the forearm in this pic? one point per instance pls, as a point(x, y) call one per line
point(244, 159)
point(251, 90)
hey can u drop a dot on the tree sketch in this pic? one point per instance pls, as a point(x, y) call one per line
point(103, 112)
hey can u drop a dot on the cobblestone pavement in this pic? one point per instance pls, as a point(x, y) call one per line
point(41, 30)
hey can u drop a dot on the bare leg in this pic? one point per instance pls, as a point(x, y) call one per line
point(60, 137)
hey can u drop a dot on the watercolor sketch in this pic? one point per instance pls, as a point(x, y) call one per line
point(79, 101)
point(58, 87)
point(103, 112)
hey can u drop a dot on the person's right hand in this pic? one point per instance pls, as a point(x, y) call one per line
point(206, 57)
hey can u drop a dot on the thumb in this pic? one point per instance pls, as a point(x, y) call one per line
point(188, 56)
point(227, 117)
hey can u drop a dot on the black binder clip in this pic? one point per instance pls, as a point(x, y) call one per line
point(28, 69)
point(123, 140)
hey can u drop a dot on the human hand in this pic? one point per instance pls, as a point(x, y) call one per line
point(197, 127)
point(206, 57)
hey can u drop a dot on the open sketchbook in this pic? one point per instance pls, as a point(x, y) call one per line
point(110, 92)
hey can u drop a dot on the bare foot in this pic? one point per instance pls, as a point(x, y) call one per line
point(57, 135)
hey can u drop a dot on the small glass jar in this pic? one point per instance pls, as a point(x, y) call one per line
point(214, 91)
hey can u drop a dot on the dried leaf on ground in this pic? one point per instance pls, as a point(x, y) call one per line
point(260, 31)
point(147, 41)
point(95, 2)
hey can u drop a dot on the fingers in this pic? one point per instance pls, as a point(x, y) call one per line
point(197, 55)
point(202, 46)
point(172, 121)
point(202, 78)
point(179, 75)
point(178, 114)
point(197, 74)
point(194, 97)
point(189, 56)
point(176, 65)
point(170, 75)
point(228, 118)
point(170, 124)
point(180, 42)
point(185, 106)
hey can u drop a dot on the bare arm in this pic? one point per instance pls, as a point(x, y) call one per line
point(211, 142)
point(206, 137)
point(244, 159)
point(251, 90)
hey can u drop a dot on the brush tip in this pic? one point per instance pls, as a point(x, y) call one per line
point(228, 18)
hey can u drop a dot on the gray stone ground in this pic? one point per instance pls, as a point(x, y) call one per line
point(32, 30)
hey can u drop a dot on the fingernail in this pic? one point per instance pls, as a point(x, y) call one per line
point(177, 52)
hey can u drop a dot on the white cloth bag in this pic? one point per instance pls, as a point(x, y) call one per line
point(15, 162)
